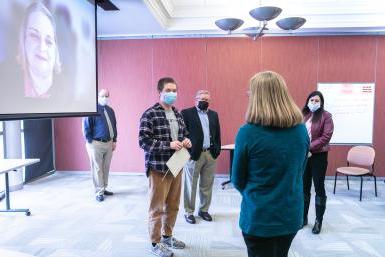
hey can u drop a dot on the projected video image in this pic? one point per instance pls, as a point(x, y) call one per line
point(47, 56)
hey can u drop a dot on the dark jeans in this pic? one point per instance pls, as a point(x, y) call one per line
point(315, 168)
point(277, 246)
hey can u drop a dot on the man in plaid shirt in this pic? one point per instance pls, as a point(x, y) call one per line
point(162, 132)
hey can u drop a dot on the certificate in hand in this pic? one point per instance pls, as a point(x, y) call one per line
point(177, 161)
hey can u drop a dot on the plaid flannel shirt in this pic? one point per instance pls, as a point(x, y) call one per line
point(155, 137)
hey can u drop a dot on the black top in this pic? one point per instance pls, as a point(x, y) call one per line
point(194, 127)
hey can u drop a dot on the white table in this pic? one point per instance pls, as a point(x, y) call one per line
point(9, 253)
point(7, 165)
point(230, 148)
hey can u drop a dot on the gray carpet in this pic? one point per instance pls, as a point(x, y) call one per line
point(66, 221)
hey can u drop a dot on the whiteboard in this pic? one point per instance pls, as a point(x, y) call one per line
point(352, 107)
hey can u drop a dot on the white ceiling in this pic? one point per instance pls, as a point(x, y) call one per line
point(191, 18)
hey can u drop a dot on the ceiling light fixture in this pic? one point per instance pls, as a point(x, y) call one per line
point(229, 24)
point(263, 15)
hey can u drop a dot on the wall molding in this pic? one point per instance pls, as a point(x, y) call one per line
point(160, 12)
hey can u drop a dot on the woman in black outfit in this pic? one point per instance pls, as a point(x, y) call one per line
point(320, 127)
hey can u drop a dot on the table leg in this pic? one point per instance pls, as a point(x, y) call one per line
point(8, 201)
point(223, 184)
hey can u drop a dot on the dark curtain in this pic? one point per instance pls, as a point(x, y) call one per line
point(38, 142)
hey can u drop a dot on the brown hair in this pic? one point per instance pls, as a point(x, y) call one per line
point(164, 81)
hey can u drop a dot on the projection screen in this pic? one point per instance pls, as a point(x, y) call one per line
point(48, 65)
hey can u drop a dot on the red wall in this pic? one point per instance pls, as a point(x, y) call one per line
point(131, 68)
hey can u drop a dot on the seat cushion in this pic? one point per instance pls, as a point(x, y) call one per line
point(355, 171)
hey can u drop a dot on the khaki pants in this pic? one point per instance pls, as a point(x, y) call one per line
point(100, 155)
point(164, 204)
point(204, 170)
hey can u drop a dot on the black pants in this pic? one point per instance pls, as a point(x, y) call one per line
point(315, 168)
point(277, 246)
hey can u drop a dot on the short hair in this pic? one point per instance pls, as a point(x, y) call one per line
point(270, 103)
point(164, 81)
point(201, 91)
point(37, 7)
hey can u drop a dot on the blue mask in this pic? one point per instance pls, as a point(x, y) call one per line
point(168, 98)
point(313, 106)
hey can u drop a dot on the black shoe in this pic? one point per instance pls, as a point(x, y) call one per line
point(205, 215)
point(108, 192)
point(305, 222)
point(317, 227)
point(306, 208)
point(100, 198)
point(190, 218)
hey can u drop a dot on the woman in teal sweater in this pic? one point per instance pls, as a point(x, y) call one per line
point(269, 159)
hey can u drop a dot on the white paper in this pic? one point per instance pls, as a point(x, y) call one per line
point(177, 161)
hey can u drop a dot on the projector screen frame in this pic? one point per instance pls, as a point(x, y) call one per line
point(25, 116)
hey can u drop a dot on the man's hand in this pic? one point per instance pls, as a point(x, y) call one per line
point(176, 145)
point(113, 146)
point(186, 143)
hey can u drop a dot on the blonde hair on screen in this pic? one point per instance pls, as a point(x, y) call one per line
point(38, 7)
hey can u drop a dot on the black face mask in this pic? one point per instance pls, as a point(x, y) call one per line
point(203, 105)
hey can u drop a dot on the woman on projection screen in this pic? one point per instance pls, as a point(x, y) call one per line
point(39, 53)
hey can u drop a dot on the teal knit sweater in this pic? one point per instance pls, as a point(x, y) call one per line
point(267, 170)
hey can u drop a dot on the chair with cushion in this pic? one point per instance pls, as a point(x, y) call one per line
point(360, 163)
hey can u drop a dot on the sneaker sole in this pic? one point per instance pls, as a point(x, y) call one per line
point(173, 246)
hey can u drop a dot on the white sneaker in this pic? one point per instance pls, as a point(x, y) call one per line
point(172, 242)
point(161, 250)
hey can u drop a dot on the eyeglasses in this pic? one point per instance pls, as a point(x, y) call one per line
point(35, 37)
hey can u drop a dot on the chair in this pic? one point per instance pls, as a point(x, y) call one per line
point(362, 156)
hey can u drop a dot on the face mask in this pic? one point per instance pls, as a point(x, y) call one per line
point(103, 100)
point(168, 97)
point(203, 105)
point(313, 106)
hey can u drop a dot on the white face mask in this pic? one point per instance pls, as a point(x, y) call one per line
point(103, 100)
point(313, 106)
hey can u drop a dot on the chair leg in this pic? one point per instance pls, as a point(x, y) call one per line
point(375, 185)
point(335, 181)
point(361, 189)
point(347, 181)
